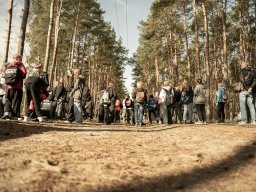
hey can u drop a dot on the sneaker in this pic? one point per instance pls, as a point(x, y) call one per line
point(199, 122)
point(6, 115)
point(26, 119)
point(253, 123)
point(40, 119)
point(242, 123)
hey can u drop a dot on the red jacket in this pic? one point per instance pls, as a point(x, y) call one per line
point(23, 70)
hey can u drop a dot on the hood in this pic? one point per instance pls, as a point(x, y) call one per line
point(167, 87)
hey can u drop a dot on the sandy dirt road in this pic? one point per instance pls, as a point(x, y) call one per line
point(100, 158)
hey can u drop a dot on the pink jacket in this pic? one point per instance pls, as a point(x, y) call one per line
point(23, 70)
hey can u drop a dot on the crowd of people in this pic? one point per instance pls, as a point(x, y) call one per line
point(70, 99)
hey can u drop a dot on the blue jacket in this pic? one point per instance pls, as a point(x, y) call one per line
point(219, 95)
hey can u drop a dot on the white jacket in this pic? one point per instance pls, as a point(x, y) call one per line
point(162, 94)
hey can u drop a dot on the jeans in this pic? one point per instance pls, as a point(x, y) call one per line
point(138, 113)
point(129, 116)
point(247, 99)
point(78, 111)
point(188, 112)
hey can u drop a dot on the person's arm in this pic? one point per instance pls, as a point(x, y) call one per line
point(76, 87)
point(23, 71)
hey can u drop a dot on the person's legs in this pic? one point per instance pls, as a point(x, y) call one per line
point(185, 112)
point(251, 107)
point(199, 112)
point(190, 112)
point(242, 101)
point(1, 105)
point(78, 111)
point(140, 114)
point(136, 113)
point(34, 90)
point(16, 102)
point(8, 103)
point(223, 112)
point(219, 112)
point(203, 112)
point(28, 99)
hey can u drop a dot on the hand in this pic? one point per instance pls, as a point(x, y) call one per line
point(250, 90)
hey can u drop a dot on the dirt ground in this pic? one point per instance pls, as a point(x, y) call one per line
point(100, 158)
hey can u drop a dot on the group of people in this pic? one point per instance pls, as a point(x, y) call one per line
point(66, 102)
point(71, 101)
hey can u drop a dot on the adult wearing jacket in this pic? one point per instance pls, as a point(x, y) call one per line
point(139, 96)
point(76, 93)
point(35, 88)
point(187, 99)
point(109, 108)
point(247, 96)
point(14, 91)
point(199, 101)
point(165, 111)
point(220, 102)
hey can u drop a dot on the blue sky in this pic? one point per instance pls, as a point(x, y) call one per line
point(137, 10)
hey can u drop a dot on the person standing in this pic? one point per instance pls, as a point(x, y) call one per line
point(199, 101)
point(109, 97)
point(248, 94)
point(76, 93)
point(220, 102)
point(15, 73)
point(2, 90)
point(166, 94)
point(139, 96)
point(187, 99)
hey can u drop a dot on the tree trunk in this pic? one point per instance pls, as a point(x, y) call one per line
point(186, 39)
point(224, 39)
point(197, 56)
point(206, 61)
point(74, 36)
point(157, 71)
point(8, 31)
point(241, 45)
point(48, 45)
point(55, 49)
point(23, 27)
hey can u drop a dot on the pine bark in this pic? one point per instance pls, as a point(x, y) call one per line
point(10, 9)
point(74, 36)
point(56, 38)
point(207, 69)
point(23, 27)
point(48, 45)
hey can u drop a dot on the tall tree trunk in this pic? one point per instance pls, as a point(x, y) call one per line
point(74, 36)
point(55, 49)
point(207, 60)
point(197, 63)
point(8, 31)
point(157, 71)
point(48, 45)
point(241, 45)
point(224, 39)
point(171, 56)
point(23, 27)
point(186, 39)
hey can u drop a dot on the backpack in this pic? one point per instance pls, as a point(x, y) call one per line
point(12, 75)
point(105, 98)
point(225, 95)
point(140, 95)
point(152, 104)
point(169, 97)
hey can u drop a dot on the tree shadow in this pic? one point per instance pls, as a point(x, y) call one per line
point(15, 129)
point(186, 180)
